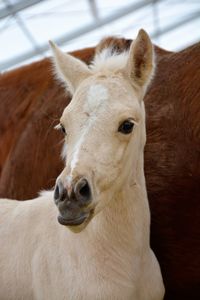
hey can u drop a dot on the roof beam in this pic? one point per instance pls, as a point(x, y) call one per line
point(5, 12)
point(94, 9)
point(84, 30)
point(77, 33)
point(22, 25)
point(183, 21)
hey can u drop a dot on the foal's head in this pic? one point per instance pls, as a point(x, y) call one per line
point(104, 128)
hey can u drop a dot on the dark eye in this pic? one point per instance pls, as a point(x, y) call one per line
point(126, 127)
point(62, 128)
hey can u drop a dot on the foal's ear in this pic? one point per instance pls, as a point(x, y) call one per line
point(140, 63)
point(68, 68)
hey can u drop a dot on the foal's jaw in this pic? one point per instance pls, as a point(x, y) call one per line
point(78, 224)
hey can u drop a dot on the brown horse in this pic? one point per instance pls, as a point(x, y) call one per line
point(31, 103)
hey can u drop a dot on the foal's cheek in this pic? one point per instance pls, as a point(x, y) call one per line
point(107, 177)
point(118, 157)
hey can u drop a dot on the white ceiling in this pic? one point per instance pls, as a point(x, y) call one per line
point(73, 24)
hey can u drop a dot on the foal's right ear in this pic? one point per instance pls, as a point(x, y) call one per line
point(68, 68)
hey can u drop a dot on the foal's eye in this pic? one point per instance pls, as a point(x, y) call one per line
point(126, 127)
point(62, 128)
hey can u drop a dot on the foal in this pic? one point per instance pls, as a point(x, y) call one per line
point(101, 193)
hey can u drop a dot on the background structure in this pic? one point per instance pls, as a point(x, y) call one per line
point(27, 25)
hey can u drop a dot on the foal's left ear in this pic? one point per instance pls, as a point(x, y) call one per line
point(140, 63)
point(69, 69)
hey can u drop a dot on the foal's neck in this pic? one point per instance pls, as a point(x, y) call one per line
point(125, 222)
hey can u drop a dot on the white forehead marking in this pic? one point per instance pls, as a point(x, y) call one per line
point(78, 145)
point(96, 96)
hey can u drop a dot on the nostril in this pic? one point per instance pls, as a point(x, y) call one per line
point(85, 190)
point(56, 192)
point(82, 190)
point(60, 192)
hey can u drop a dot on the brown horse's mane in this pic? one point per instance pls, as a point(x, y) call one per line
point(31, 103)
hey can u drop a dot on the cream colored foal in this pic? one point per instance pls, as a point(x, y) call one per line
point(102, 250)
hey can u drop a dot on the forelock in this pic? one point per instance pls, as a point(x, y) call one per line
point(109, 60)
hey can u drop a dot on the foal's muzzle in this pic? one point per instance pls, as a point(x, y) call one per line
point(73, 201)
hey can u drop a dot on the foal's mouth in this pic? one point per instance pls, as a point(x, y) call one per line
point(73, 221)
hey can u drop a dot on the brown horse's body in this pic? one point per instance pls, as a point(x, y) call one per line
point(31, 103)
